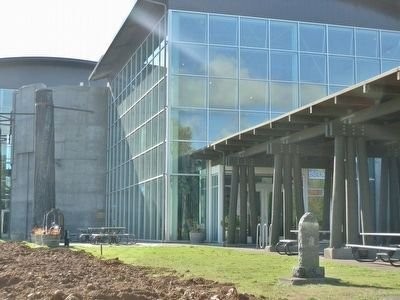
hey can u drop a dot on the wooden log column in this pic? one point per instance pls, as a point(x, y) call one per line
point(367, 220)
point(351, 194)
point(243, 205)
point(276, 217)
point(298, 188)
point(288, 193)
point(44, 180)
point(338, 194)
point(233, 205)
point(252, 202)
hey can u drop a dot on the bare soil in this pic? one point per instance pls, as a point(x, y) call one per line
point(59, 274)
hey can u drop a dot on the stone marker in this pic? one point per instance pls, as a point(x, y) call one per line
point(308, 270)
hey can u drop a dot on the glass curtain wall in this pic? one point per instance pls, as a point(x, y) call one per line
point(228, 73)
point(136, 140)
point(6, 100)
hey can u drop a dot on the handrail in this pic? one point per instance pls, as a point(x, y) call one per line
point(380, 233)
point(261, 235)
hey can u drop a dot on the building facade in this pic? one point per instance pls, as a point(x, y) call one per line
point(79, 155)
point(6, 100)
point(79, 147)
point(193, 73)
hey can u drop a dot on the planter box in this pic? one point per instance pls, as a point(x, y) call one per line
point(197, 237)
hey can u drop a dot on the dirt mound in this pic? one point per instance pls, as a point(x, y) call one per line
point(59, 274)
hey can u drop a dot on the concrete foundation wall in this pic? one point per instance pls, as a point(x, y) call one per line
point(80, 158)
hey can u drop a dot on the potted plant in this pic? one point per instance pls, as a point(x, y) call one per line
point(197, 234)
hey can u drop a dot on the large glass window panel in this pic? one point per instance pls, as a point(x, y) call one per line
point(367, 68)
point(184, 208)
point(222, 124)
point(162, 131)
point(253, 33)
point(390, 44)
point(188, 124)
point(154, 105)
point(311, 92)
point(188, 91)
point(283, 35)
point(156, 67)
point(367, 43)
point(340, 40)
point(223, 62)
point(312, 38)
point(188, 27)
point(181, 160)
point(341, 70)
point(284, 96)
point(390, 64)
point(335, 88)
point(223, 93)
point(163, 65)
point(160, 155)
point(250, 119)
point(188, 59)
point(253, 95)
point(223, 30)
point(162, 90)
point(253, 64)
point(284, 66)
point(313, 68)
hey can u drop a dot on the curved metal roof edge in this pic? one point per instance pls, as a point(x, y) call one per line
point(45, 59)
point(98, 72)
point(328, 97)
point(92, 75)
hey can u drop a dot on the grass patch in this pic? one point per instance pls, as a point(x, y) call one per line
point(258, 272)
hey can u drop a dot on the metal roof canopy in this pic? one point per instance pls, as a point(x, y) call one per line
point(137, 26)
point(370, 109)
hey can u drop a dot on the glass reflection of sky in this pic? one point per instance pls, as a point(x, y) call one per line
point(254, 65)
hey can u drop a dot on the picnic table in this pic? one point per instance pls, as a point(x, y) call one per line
point(387, 253)
point(111, 235)
point(290, 246)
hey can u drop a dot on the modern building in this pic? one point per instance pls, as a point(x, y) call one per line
point(16, 72)
point(79, 141)
point(184, 74)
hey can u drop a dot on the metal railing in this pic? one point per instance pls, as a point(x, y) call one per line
point(262, 235)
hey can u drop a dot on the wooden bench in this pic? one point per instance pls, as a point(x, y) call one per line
point(384, 253)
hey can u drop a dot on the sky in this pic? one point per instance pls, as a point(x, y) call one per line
point(80, 29)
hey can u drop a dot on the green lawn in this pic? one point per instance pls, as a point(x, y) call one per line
point(259, 273)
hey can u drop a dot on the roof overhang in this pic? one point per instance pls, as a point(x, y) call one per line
point(137, 26)
point(370, 109)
